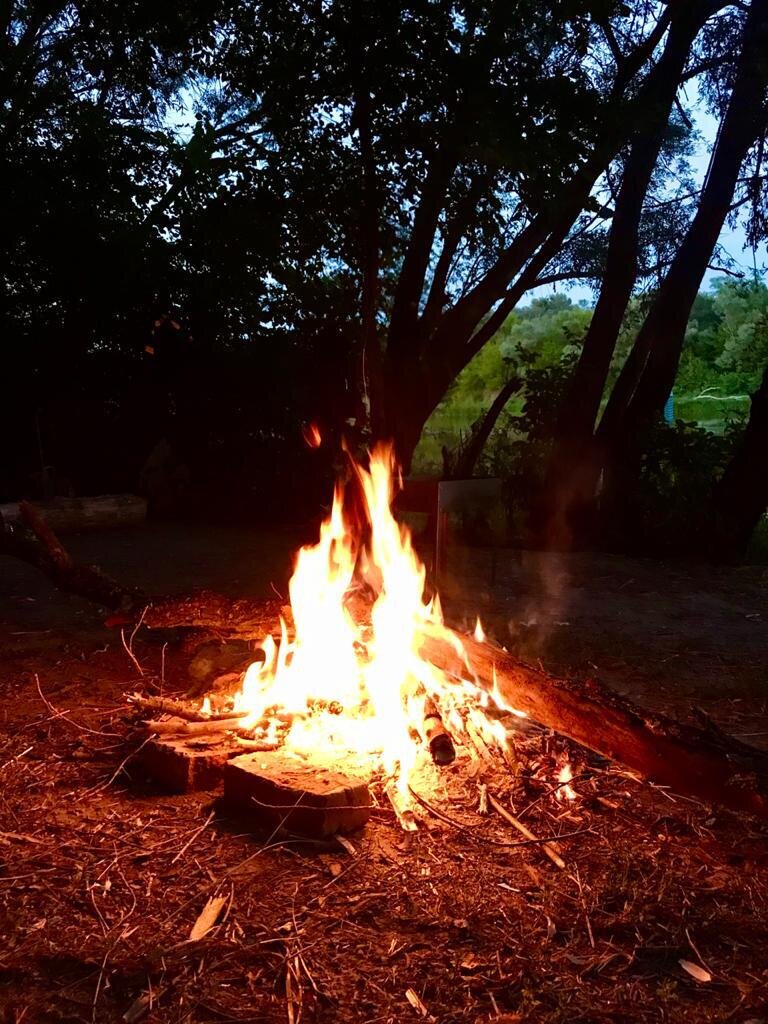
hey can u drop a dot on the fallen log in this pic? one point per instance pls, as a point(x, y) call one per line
point(706, 764)
point(39, 546)
point(97, 512)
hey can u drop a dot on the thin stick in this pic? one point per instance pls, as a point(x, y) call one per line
point(56, 713)
point(547, 847)
point(551, 790)
point(193, 837)
point(470, 832)
point(169, 706)
point(179, 727)
point(129, 645)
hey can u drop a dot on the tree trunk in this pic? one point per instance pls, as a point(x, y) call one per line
point(468, 457)
point(704, 763)
point(569, 480)
point(740, 497)
point(646, 379)
point(425, 357)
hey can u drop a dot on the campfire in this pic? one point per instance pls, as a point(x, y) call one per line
point(358, 686)
point(342, 686)
point(359, 705)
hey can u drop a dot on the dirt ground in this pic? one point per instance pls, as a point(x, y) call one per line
point(102, 876)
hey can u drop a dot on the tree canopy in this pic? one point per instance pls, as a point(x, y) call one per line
point(223, 220)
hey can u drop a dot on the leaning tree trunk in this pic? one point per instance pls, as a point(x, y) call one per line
point(468, 457)
point(569, 482)
point(425, 353)
point(646, 380)
point(740, 498)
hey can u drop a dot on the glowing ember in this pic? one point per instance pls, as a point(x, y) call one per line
point(564, 777)
point(311, 434)
point(338, 687)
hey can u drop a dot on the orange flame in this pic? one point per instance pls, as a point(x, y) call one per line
point(564, 777)
point(344, 688)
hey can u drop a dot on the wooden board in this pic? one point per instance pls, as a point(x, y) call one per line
point(182, 764)
point(309, 798)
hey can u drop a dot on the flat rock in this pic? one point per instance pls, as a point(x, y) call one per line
point(308, 797)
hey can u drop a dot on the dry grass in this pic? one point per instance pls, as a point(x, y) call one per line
point(102, 879)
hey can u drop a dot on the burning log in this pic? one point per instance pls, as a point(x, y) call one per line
point(702, 763)
point(436, 736)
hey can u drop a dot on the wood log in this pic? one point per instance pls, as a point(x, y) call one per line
point(705, 764)
point(98, 512)
point(436, 736)
point(308, 797)
point(181, 765)
point(39, 546)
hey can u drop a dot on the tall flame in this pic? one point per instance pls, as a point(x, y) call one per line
point(341, 688)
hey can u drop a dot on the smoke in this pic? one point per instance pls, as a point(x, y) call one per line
point(544, 608)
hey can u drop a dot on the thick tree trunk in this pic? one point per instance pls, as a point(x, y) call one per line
point(426, 356)
point(704, 763)
point(740, 497)
point(569, 482)
point(646, 379)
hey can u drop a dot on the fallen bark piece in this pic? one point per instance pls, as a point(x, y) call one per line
point(208, 917)
point(183, 765)
point(309, 798)
point(706, 764)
